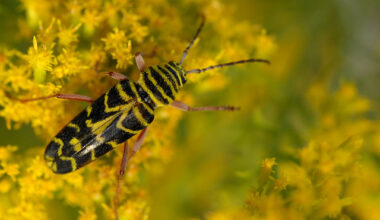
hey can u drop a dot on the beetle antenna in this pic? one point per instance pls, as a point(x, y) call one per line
point(227, 64)
point(192, 42)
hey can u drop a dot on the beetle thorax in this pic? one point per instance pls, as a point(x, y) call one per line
point(162, 82)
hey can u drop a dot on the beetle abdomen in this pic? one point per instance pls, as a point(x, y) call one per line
point(110, 120)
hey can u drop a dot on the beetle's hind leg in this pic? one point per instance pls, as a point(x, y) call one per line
point(61, 96)
point(123, 165)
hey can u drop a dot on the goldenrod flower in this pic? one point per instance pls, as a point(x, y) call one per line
point(119, 47)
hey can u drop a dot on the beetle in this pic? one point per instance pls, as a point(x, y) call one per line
point(121, 112)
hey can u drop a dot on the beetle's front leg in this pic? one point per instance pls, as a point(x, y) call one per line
point(61, 96)
point(140, 61)
point(116, 75)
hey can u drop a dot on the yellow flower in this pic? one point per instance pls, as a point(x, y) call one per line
point(17, 78)
point(5, 186)
point(6, 152)
point(266, 170)
point(40, 59)
point(36, 11)
point(11, 169)
point(265, 44)
point(91, 20)
point(68, 64)
point(280, 184)
point(87, 214)
point(67, 36)
point(120, 48)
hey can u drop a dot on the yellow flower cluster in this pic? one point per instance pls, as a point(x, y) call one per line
point(334, 176)
point(119, 47)
point(311, 189)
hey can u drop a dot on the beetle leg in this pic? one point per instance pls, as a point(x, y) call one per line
point(139, 141)
point(61, 96)
point(116, 75)
point(124, 162)
point(140, 61)
point(184, 107)
point(123, 166)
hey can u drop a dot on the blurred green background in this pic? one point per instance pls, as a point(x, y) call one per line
point(324, 41)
